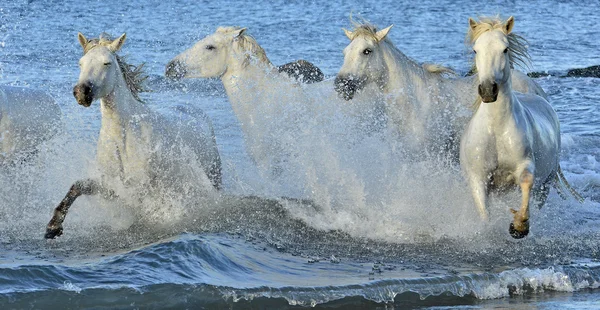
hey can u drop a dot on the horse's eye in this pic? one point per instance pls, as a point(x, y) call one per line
point(505, 50)
point(107, 63)
point(210, 47)
point(367, 51)
point(474, 51)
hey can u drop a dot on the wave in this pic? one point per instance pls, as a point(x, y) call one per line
point(217, 270)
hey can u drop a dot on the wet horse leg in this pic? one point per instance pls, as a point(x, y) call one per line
point(81, 187)
point(519, 228)
point(479, 191)
point(541, 196)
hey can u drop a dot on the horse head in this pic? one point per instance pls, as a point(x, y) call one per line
point(99, 69)
point(226, 49)
point(364, 61)
point(491, 58)
point(497, 49)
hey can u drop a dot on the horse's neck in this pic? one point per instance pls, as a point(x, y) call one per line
point(249, 85)
point(117, 109)
point(502, 111)
point(406, 75)
point(238, 66)
point(403, 71)
point(238, 78)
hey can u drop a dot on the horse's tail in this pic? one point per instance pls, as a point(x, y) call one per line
point(561, 182)
point(439, 69)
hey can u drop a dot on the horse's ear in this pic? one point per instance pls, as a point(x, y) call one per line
point(117, 43)
point(82, 39)
point(508, 26)
point(239, 33)
point(381, 34)
point(472, 23)
point(348, 33)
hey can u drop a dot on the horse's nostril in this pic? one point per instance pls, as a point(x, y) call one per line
point(495, 88)
point(84, 94)
point(175, 69)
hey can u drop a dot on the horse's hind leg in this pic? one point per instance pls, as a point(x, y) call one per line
point(540, 196)
point(81, 187)
point(519, 228)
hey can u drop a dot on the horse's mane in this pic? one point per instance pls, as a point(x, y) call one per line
point(247, 43)
point(134, 75)
point(517, 45)
point(365, 29)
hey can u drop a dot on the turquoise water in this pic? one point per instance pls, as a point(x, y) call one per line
point(249, 248)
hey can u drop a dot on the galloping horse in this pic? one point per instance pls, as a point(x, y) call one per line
point(136, 145)
point(28, 117)
point(300, 70)
point(257, 90)
point(423, 105)
point(513, 138)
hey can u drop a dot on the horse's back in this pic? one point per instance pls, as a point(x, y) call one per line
point(522, 83)
point(194, 119)
point(195, 129)
point(540, 109)
point(545, 132)
point(27, 118)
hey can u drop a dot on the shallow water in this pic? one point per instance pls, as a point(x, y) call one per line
point(371, 232)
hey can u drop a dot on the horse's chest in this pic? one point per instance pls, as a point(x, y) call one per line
point(509, 147)
point(508, 156)
point(125, 152)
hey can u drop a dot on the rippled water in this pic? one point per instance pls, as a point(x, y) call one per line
point(417, 243)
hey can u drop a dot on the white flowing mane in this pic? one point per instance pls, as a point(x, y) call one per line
point(247, 44)
point(517, 45)
point(134, 75)
point(364, 29)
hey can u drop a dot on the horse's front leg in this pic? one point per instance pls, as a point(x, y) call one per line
point(479, 190)
point(519, 228)
point(81, 187)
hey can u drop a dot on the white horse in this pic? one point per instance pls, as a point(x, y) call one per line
point(136, 145)
point(256, 88)
point(513, 138)
point(424, 106)
point(28, 117)
point(185, 66)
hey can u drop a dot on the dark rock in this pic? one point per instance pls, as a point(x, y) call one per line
point(537, 74)
point(593, 71)
point(303, 71)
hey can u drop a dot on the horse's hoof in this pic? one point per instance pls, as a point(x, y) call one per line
point(52, 233)
point(517, 234)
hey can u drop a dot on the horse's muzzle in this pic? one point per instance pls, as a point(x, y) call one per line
point(84, 94)
point(488, 91)
point(175, 70)
point(347, 86)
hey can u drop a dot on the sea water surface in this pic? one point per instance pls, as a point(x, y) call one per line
point(375, 232)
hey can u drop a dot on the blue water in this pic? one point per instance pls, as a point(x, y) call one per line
point(249, 248)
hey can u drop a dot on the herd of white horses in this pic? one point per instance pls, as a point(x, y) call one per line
point(497, 123)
